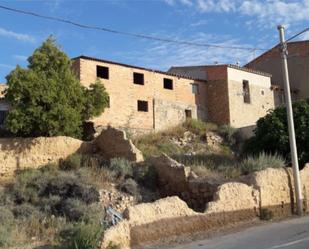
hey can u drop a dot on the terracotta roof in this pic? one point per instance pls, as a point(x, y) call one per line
point(2, 88)
point(137, 67)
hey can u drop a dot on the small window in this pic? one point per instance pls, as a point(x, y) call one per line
point(262, 92)
point(138, 78)
point(3, 115)
point(195, 88)
point(246, 91)
point(108, 102)
point(168, 83)
point(142, 106)
point(102, 72)
point(188, 114)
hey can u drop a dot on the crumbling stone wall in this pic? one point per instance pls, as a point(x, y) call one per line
point(21, 153)
point(114, 143)
point(177, 179)
point(233, 202)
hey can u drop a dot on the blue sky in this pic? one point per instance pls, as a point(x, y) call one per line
point(225, 22)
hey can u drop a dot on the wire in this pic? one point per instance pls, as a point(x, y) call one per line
point(298, 34)
point(143, 36)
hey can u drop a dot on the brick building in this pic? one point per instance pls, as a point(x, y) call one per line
point(234, 95)
point(298, 62)
point(143, 99)
point(146, 100)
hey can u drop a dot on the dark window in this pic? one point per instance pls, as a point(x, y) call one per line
point(188, 114)
point(108, 102)
point(138, 78)
point(168, 83)
point(246, 91)
point(142, 106)
point(102, 72)
point(3, 115)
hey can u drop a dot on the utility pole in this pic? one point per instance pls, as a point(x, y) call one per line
point(289, 109)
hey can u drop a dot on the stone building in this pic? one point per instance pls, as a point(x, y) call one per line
point(234, 95)
point(298, 62)
point(142, 99)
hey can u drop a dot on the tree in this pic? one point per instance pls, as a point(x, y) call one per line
point(271, 133)
point(47, 99)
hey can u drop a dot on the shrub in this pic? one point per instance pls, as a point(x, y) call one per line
point(6, 224)
point(24, 210)
point(262, 161)
point(86, 236)
point(147, 176)
point(271, 133)
point(113, 246)
point(71, 208)
point(121, 167)
point(229, 134)
point(73, 162)
point(67, 186)
point(266, 214)
point(196, 126)
point(130, 186)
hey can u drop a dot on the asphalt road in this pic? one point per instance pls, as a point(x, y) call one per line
point(289, 234)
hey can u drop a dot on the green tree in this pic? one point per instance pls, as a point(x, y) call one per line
point(271, 133)
point(47, 99)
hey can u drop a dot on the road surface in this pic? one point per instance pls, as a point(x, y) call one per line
point(289, 234)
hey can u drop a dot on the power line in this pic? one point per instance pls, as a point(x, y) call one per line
point(298, 34)
point(142, 36)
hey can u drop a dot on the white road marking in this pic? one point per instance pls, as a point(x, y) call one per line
point(290, 243)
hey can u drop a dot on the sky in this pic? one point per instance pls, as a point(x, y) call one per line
point(222, 22)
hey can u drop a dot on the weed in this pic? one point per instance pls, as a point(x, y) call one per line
point(121, 167)
point(130, 186)
point(266, 214)
point(262, 161)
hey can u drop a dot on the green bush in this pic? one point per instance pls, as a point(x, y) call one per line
point(196, 126)
point(266, 214)
point(73, 162)
point(86, 236)
point(6, 225)
point(121, 167)
point(147, 176)
point(130, 186)
point(24, 210)
point(260, 162)
point(113, 246)
point(229, 134)
point(271, 133)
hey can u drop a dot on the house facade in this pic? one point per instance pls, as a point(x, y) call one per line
point(142, 99)
point(234, 95)
point(298, 62)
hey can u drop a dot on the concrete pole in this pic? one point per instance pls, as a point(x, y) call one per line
point(289, 109)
